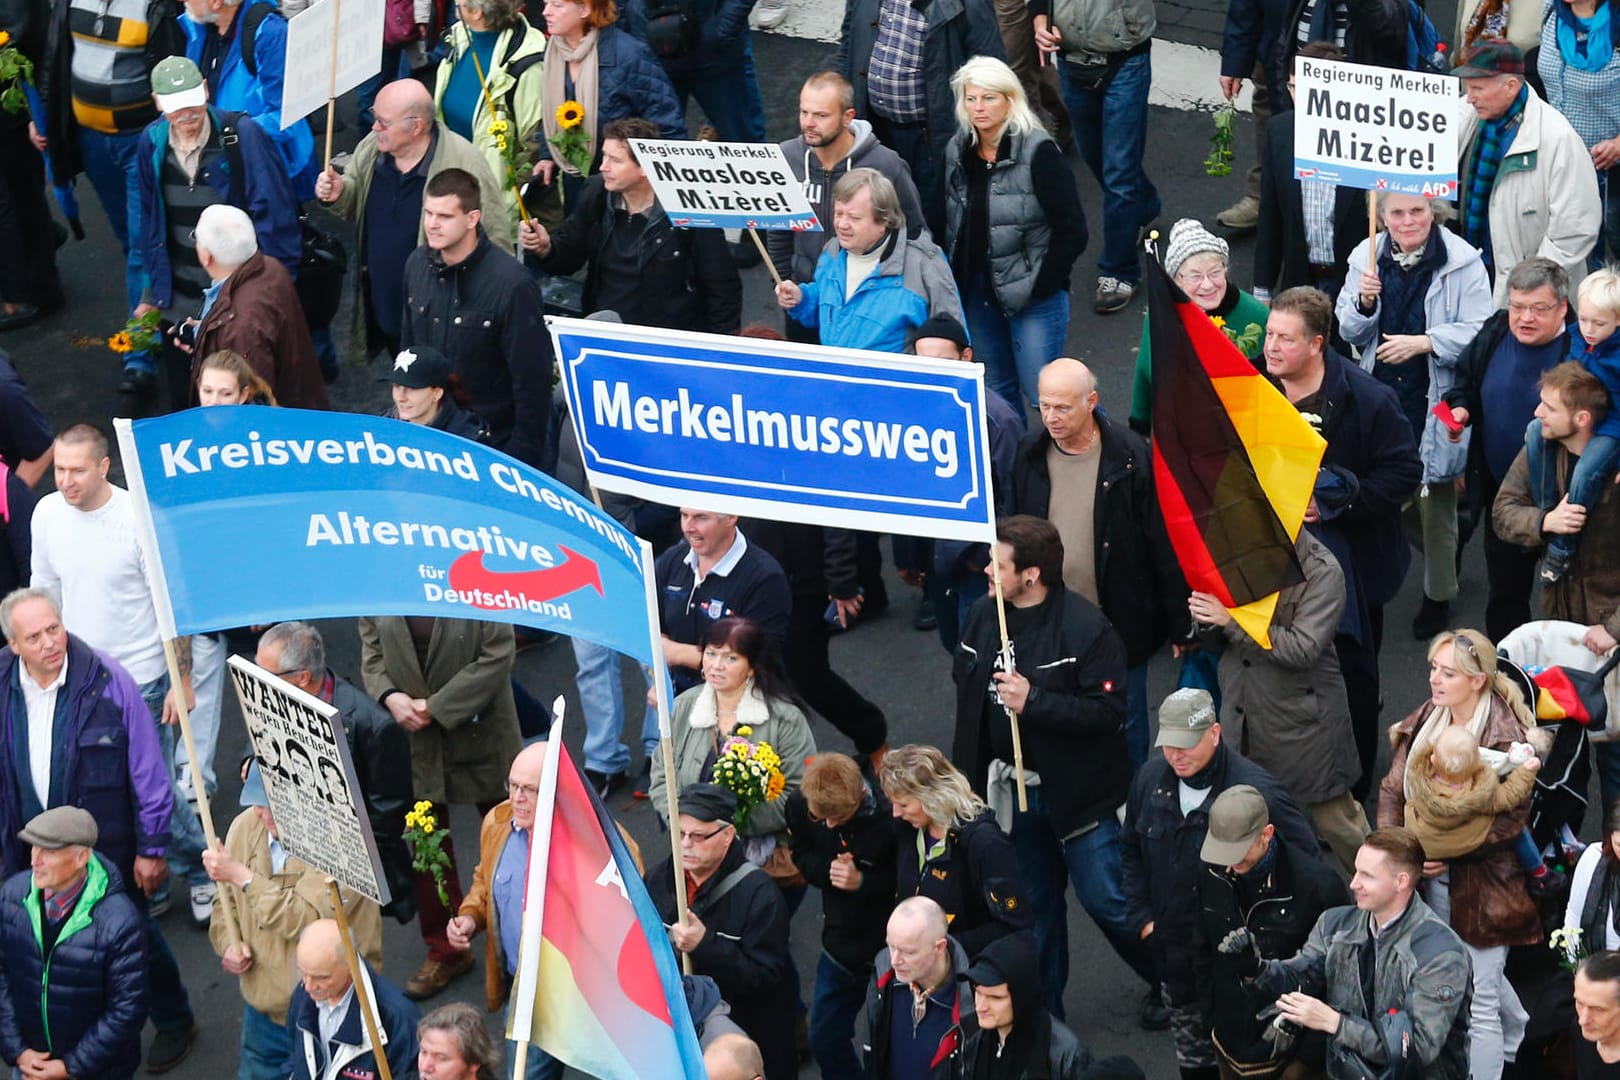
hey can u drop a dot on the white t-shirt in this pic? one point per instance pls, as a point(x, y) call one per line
point(93, 562)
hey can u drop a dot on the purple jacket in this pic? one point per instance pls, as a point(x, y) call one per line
point(108, 762)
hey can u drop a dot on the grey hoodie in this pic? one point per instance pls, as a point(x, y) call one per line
point(795, 254)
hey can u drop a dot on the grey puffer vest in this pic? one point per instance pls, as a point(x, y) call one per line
point(1019, 233)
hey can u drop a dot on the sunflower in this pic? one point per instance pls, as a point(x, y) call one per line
point(119, 342)
point(570, 114)
point(5, 38)
point(1218, 321)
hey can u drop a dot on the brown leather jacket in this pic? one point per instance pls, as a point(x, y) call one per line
point(258, 315)
point(478, 904)
point(1490, 905)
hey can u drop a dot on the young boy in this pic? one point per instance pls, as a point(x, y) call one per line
point(1597, 350)
point(1453, 793)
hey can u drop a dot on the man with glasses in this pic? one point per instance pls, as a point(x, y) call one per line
point(495, 900)
point(378, 747)
point(1496, 394)
point(381, 191)
point(736, 929)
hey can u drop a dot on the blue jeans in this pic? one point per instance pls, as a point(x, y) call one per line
point(186, 841)
point(1110, 127)
point(601, 699)
point(1606, 760)
point(1594, 469)
point(266, 1049)
point(1136, 715)
point(540, 1065)
point(109, 162)
point(1014, 348)
point(1525, 850)
point(1091, 863)
point(730, 101)
point(839, 998)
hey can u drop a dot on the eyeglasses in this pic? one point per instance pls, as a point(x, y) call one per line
point(379, 122)
point(513, 790)
point(702, 838)
point(1534, 309)
point(1193, 277)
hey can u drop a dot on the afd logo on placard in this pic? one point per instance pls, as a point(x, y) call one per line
point(772, 428)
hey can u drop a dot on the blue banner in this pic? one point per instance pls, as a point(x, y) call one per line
point(262, 514)
point(779, 430)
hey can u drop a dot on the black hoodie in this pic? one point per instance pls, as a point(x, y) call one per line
point(1037, 1045)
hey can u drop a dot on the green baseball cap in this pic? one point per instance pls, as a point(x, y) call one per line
point(1184, 717)
point(177, 84)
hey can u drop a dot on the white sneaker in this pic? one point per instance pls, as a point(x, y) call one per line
point(202, 903)
point(768, 14)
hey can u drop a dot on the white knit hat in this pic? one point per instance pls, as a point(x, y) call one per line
point(1188, 237)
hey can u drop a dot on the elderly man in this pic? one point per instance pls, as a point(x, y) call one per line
point(734, 1057)
point(495, 900)
point(276, 897)
point(448, 682)
point(73, 939)
point(1496, 393)
point(1370, 468)
point(467, 297)
point(195, 156)
point(1386, 980)
point(381, 191)
point(455, 1045)
point(617, 231)
point(736, 929)
point(873, 286)
point(1167, 816)
point(922, 970)
point(1093, 479)
point(251, 308)
point(377, 746)
point(1526, 185)
point(243, 48)
point(329, 1037)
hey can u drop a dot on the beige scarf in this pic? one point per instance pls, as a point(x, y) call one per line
point(1438, 721)
point(554, 86)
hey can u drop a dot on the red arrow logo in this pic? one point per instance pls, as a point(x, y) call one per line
point(468, 574)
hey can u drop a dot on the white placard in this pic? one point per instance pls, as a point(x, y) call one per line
point(308, 82)
point(308, 775)
point(716, 185)
point(1379, 128)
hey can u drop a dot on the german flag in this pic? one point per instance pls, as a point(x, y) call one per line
point(1233, 460)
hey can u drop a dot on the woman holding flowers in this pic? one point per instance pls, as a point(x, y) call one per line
point(743, 697)
point(488, 90)
point(595, 72)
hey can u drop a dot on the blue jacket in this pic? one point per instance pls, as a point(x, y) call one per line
point(87, 1005)
point(397, 1017)
point(722, 42)
point(234, 90)
point(912, 284)
point(111, 763)
point(265, 189)
point(631, 82)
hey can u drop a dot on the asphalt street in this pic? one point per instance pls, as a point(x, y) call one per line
point(74, 377)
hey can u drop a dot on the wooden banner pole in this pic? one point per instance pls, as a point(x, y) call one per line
point(1372, 231)
point(763, 254)
point(331, 83)
point(361, 996)
point(1007, 665)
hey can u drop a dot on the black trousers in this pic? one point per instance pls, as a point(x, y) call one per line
point(1510, 575)
point(822, 688)
point(1358, 663)
point(27, 233)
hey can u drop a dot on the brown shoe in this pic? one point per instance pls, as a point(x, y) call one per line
point(434, 975)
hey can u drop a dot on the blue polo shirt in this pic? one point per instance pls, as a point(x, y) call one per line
point(746, 582)
point(393, 221)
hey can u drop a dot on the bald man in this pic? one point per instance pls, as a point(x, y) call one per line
point(381, 190)
point(496, 896)
point(733, 1057)
point(330, 1039)
point(920, 969)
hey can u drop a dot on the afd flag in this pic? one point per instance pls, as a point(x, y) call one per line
point(778, 430)
point(259, 514)
point(602, 992)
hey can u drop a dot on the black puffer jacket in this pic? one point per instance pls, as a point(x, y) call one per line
point(486, 314)
point(382, 763)
point(686, 278)
point(975, 879)
point(1139, 583)
point(853, 923)
point(1073, 725)
point(1279, 906)
point(89, 1010)
point(1160, 853)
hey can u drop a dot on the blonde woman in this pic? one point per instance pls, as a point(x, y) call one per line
point(226, 378)
point(951, 850)
point(1013, 228)
point(1482, 896)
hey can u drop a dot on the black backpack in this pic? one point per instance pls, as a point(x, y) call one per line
point(672, 28)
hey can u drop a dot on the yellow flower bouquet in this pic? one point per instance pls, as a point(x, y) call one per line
point(422, 832)
point(15, 70)
point(750, 771)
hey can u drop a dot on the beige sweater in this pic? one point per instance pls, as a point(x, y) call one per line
point(1454, 821)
